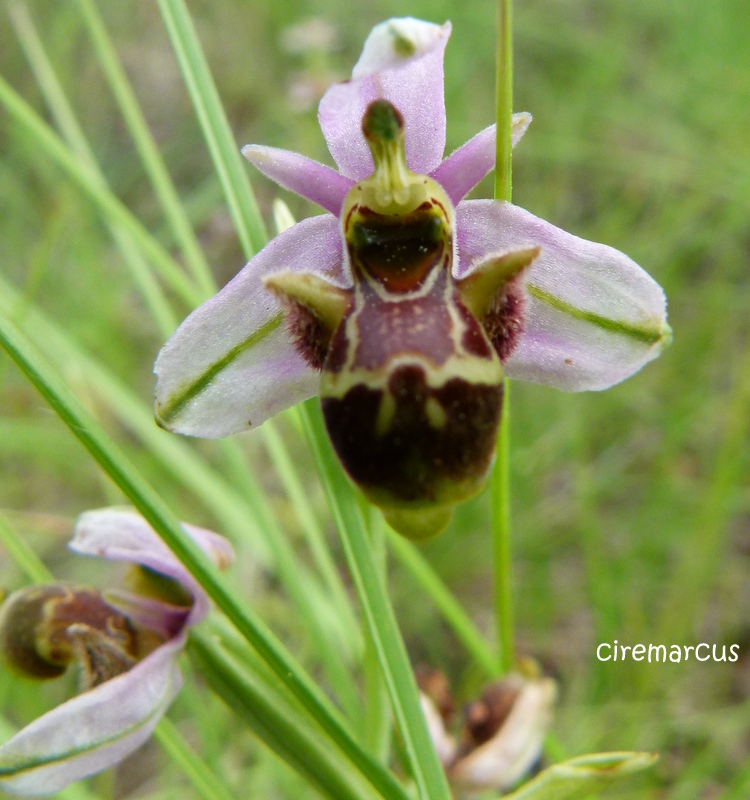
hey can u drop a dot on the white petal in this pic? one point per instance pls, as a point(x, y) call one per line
point(503, 760)
point(594, 317)
point(444, 743)
point(93, 731)
point(393, 42)
point(120, 534)
point(231, 365)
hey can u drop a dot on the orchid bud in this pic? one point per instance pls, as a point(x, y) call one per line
point(503, 733)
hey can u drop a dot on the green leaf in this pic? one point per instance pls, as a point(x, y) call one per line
point(151, 159)
point(581, 776)
point(64, 117)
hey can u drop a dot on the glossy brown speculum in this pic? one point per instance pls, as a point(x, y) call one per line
point(398, 252)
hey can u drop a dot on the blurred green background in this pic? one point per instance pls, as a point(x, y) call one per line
point(631, 508)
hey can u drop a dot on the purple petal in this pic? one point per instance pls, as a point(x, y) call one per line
point(231, 365)
point(163, 618)
point(306, 177)
point(413, 83)
point(465, 167)
point(93, 731)
point(594, 316)
point(123, 535)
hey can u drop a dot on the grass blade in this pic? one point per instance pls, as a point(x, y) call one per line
point(66, 121)
point(151, 159)
point(275, 722)
point(225, 153)
point(158, 515)
point(381, 622)
point(106, 203)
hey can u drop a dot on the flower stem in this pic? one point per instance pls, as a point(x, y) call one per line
point(501, 473)
point(504, 99)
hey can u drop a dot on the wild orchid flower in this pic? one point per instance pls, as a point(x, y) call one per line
point(405, 304)
point(126, 645)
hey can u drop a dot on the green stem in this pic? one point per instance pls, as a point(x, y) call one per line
point(378, 720)
point(453, 613)
point(504, 100)
point(158, 515)
point(500, 482)
point(381, 623)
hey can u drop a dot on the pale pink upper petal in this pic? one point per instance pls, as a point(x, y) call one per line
point(302, 175)
point(121, 534)
point(594, 316)
point(94, 730)
point(402, 62)
point(231, 364)
point(465, 167)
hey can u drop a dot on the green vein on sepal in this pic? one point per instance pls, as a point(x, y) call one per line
point(76, 791)
point(647, 335)
point(166, 412)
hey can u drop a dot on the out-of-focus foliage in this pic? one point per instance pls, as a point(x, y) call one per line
point(631, 507)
